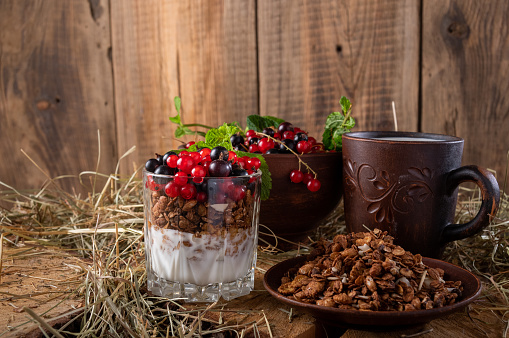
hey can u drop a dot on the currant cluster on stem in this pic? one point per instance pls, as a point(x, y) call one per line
point(189, 168)
point(284, 139)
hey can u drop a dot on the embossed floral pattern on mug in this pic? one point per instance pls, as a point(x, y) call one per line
point(386, 195)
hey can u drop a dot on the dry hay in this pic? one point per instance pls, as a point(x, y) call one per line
point(103, 231)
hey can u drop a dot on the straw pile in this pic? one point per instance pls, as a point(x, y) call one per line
point(104, 230)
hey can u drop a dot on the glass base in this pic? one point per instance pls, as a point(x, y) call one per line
point(198, 293)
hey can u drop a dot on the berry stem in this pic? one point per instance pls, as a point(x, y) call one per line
point(293, 152)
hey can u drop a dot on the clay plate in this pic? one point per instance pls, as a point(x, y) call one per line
point(376, 320)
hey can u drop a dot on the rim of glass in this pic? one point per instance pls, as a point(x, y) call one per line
point(255, 174)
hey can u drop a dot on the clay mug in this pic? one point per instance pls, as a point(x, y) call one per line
point(407, 183)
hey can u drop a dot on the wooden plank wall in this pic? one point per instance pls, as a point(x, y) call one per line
point(56, 90)
point(69, 69)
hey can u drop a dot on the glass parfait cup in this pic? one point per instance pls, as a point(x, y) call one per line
point(201, 235)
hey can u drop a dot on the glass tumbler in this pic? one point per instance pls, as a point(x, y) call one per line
point(201, 235)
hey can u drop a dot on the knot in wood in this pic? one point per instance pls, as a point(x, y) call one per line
point(43, 105)
point(459, 30)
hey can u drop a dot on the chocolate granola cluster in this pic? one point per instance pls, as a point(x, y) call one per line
point(366, 271)
point(196, 217)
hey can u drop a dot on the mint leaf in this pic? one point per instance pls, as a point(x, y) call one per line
point(266, 178)
point(276, 120)
point(345, 103)
point(258, 123)
point(179, 132)
point(198, 145)
point(177, 103)
point(175, 119)
point(337, 124)
point(220, 136)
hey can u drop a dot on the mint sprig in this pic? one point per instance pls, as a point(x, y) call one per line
point(220, 136)
point(337, 124)
point(258, 123)
point(183, 129)
point(266, 178)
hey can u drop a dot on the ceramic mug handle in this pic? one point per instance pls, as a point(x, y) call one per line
point(490, 195)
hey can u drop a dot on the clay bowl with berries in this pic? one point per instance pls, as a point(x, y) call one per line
point(292, 211)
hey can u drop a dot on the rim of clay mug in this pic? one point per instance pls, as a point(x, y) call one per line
point(378, 136)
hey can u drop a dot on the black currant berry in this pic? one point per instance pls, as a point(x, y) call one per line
point(151, 165)
point(300, 137)
point(220, 168)
point(285, 126)
point(239, 172)
point(253, 140)
point(268, 131)
point(241, 147)
point(162, 170)
point(236, 139)
point(272, 151)
point(219, 153)
point(251, 186)
point(289, 143)
point(160, 159)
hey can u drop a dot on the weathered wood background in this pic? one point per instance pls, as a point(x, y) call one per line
point(73, 70)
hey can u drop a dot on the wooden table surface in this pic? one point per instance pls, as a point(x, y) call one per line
point(469, 323)
point(23, 276)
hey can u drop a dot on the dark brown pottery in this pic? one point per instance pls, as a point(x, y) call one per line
point(292, 211)
point(334, 319)
point(409, 188)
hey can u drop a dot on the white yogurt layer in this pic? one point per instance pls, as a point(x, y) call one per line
point(182, 257)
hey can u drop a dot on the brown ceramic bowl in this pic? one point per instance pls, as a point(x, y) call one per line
point(292, 211)
point(376, 320)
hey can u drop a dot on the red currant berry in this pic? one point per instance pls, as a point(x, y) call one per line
point(314, 185)
point(206, 159)
point(252, 178)
point(195, 156)
point(311, 140)
point(201, 197)
point(253, 148)
point(185, 164)
point(303, 147)
point(172, 161)
point(183, 153)
point(172, 189)
point(204, 152)
point(277, 136)
point(239, 192)
point(228, 187)
point(307, 177)
point(188, 191)
point(150, 184)
point(180, 178)
point(250, 133)
point(190, 143)
point(206, 165)
point(253, 163)
point(297, 130)
point(241, 161)
point(198, 173)
point(265, 144)
point(296, 176)
point(317, 148)
point(288, 135)
point(232, 157)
